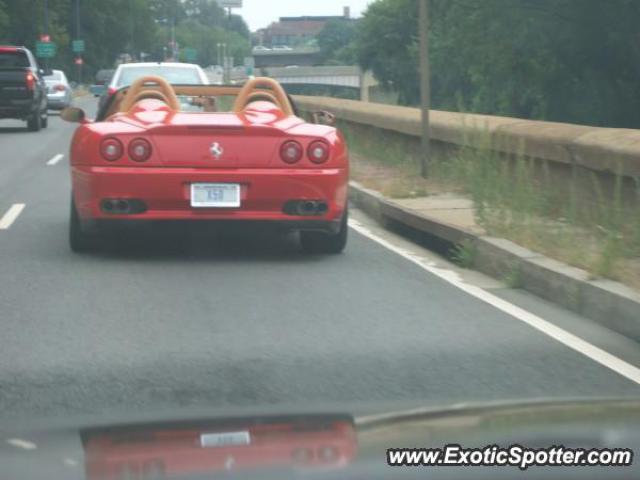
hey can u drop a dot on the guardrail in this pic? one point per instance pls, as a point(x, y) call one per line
point(599, 149)
point(574, 152)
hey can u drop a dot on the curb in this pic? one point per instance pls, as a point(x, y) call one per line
point(609, 303)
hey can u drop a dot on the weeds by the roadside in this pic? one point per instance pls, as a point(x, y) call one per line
point(464, 254)
point(513, 278)
point(575, 218)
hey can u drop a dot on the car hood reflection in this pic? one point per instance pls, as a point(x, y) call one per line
point(196, 448)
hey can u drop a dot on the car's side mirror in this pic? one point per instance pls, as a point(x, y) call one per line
point(74, 115)
point(45, 72)
point(323, 117)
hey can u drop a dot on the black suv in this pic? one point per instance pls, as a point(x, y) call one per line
point(23, 92)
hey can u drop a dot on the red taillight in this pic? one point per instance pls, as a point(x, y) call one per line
point(111, 149)
point(318, 152)
point(139, 150)
point(59, 88)
point(8, 49)
point(111, 91)
point(31, 81)
point(291, 152)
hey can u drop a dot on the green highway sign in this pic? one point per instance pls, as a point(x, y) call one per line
point(45, 49)
point(77, 46)
point(190, 54)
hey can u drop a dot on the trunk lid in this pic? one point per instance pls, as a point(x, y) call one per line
point(215, 141)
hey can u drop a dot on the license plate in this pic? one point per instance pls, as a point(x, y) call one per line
point(215, 195)
point(226, 439)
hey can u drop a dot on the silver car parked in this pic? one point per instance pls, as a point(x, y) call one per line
point(58, 90)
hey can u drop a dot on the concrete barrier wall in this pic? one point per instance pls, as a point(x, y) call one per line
point(606, 151)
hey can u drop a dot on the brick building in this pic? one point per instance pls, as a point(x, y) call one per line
point(295, 31)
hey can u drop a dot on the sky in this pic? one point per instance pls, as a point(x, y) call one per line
point(260, 13)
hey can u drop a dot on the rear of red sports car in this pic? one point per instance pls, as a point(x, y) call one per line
point(154, 164)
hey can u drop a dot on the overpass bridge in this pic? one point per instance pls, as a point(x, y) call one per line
point(305, 56)
point(345, 76)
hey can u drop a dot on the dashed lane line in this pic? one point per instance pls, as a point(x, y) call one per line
point(11, 215)
point(55, 160)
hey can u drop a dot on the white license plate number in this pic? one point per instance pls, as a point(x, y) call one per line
point(215, 195)
point(226, 439)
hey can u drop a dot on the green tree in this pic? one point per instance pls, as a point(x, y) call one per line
point(167, 10)
point(123, 26)
point(239, 26)
point(27, 23)
point(102, 27)
point(563, 60)
point(207, 12)
point(386, 44)
point(27, 20)
point(336, 42)
point(206, 25)
point(205, 40)
point(107, 35)
point(4, 22)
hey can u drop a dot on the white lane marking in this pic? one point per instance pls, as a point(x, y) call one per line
point(413, 412)
point(7, 220)
point(24, 444)
point(576, 343)
point(55, 159)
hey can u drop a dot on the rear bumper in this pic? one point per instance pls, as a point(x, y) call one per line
point(166, 193)
point(55, 102)
point(17, 108)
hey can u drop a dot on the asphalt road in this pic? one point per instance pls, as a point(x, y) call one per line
point(175, 319)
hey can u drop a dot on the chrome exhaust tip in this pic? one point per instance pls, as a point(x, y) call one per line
point(107, 206)
point(322, 208)
point(307, 207)
point(122, 206)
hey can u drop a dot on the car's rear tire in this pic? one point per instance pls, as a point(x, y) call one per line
point(326, 243)
point(34, 122)
point(44, 122)
point(81, 239)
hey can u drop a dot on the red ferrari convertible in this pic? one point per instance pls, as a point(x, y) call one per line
point(168, 152)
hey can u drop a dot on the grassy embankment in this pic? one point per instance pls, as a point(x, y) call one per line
point(515, 198)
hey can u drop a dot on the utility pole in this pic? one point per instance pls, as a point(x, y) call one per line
point(46, 17)
point(46, 29)
point(425, 87)
point(78, 37)
point(225, 60)
point(131, 31)
point(174, 47)
point(228, 61)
